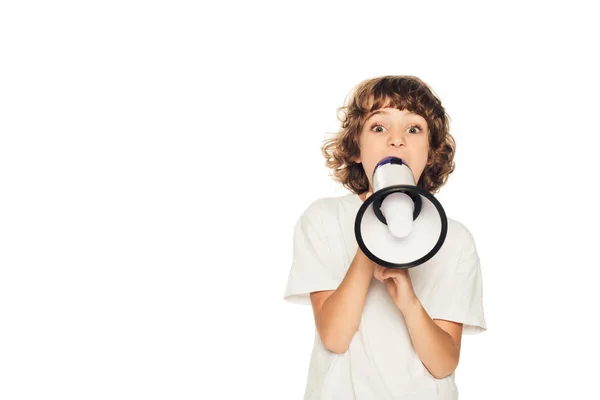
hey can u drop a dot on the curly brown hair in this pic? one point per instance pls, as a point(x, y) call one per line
point(404, 92)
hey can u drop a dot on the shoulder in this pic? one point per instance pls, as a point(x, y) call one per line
point(459, 232)
point(462, 239)
point(315, 220)
point(323, 207)
point(460, 235)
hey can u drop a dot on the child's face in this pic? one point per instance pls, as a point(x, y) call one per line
point(391, 132)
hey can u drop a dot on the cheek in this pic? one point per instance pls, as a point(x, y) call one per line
point(424, 149)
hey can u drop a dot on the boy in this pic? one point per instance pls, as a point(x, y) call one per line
point(384, 333)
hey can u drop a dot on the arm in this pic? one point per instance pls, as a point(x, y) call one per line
point(337, 312)
point(437, 342)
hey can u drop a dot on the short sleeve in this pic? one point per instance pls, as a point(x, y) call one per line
point(459, 296)
point(311, 267)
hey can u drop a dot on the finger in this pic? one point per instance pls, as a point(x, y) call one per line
point(377, 272)
point(390, 286)
point(391, 273)
point(380, 271)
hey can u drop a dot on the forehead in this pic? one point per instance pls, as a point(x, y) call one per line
point(390, 111)
point(388, 107)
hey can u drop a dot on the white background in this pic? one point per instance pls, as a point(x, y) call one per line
point(155, 156)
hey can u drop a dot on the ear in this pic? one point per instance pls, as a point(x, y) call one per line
point(430, 159)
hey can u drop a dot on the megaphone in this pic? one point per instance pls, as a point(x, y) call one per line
point(400, 225)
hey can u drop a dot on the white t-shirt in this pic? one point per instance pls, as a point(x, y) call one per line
point(380, 363)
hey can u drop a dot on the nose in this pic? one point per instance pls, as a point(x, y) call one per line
point(397, 139)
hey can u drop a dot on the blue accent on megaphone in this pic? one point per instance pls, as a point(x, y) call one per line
point(389, 160)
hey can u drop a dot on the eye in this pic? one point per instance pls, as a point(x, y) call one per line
point(412, 127)
point(416, 126)
point(377, 125)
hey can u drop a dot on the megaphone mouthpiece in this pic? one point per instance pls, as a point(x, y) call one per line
point(392, 171)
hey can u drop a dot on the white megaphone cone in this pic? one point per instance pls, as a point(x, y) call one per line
point(397, 208)
point(400, 225)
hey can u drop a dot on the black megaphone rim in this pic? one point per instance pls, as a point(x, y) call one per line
point(385, 192)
